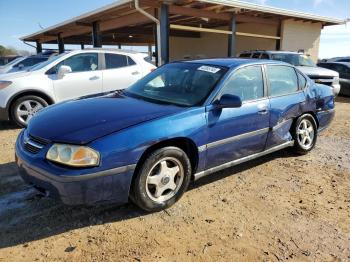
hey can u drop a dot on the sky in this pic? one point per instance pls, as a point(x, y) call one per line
point(22, 17)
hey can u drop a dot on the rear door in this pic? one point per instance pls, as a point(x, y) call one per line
point(85, 78)
point(238, 132)
point(120, 72)
point(285, 88)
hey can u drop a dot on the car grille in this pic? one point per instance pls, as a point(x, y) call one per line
point(324, 80)
point(34, 144)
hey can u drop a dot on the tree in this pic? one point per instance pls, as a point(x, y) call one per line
point(7, 51)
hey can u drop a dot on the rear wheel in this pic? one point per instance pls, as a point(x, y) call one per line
point(162, 179)
point(25, 107)
point(304, 134)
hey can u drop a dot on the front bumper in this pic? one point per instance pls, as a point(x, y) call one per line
point(336, 89)
point(4, 114)
point(111, 185)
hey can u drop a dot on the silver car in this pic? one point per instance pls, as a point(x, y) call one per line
point(303, 63)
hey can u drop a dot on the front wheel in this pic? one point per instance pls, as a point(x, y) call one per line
point(24, 108)
point(304, 134)
point(162, 179)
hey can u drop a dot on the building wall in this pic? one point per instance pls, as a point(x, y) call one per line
point(295, 36)
point(298, 35)
point(216, 45)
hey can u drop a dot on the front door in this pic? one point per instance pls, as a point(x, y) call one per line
point(238, 132)
point(85, 78)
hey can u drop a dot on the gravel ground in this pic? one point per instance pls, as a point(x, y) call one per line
point(277, 208)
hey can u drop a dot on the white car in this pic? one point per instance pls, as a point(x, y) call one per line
point(67, 76)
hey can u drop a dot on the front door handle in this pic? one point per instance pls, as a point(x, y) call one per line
point(135, 73)
point(262, 109)
point(94, 78)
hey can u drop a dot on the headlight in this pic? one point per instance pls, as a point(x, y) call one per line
point(4, 84)
point(71, 155)
point(335, 80)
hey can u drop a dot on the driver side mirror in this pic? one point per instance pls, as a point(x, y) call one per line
point(229, 101)
point(63, 70)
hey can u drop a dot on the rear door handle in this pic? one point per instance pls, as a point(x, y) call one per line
point(94, 78)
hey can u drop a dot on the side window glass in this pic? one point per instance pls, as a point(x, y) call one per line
point(245, 55)
point(264, 56)
point(256, 55)
point(283, 80)
point(301, 80)
point(81, 63)
point(131, 61)
point(115, 61)
point(247, 83)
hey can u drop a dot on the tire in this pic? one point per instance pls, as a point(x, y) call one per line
point(154, 189)
point(304, 132)
point(25, 107)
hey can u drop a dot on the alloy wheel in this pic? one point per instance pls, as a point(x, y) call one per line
point(27, 109)
point(164, 179)
point(305, 134)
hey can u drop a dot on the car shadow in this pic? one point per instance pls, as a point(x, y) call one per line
point(26, 216)
point(8, 125)
point(342, 99)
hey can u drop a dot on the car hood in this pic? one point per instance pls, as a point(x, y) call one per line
point(315, 71)
point(14, 75)
point(82, 121)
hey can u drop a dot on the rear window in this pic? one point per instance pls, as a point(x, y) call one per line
point(264, 56)
point(245, 55)
point(256, 55)
point(115, 61)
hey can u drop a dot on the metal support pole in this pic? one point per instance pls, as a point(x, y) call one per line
point(39, 47)
point(156, 50)
point(82, 46)
point(150, 51)
point(60, 44)
point(231, 52)
point(279, 33)
point(96, 35)
point(164, 33)
point(119, 46)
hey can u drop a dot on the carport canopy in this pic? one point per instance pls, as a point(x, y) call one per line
point(145, 22)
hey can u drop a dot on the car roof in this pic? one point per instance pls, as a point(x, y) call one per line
point(340, 63)
point(234, 62)
point(273, 52)
point(116, 50)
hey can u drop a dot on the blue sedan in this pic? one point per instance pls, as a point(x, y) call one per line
point(181, 122)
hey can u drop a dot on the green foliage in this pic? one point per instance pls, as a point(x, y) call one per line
point(7, 51)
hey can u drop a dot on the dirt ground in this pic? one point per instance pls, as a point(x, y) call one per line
point(277, 208)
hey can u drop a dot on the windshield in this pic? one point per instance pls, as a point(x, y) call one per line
point(47, 62)
point(294, 59)
point(184, 84)
point(14, 61)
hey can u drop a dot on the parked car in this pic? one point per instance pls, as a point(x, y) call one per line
point(345, 59)
point(67, 76)
point(22, 64)
point(344, 73)
point(183, 121)
point(7, 59)
point(303, 63)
